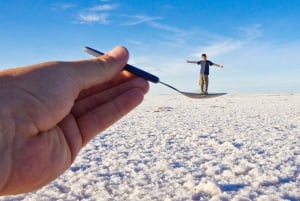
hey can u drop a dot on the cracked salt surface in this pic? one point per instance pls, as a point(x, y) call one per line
point(235, 147)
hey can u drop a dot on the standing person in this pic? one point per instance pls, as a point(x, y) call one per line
point(204, 71)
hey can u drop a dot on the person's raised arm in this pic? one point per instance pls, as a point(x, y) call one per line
point(217, 65)
point(192, 62)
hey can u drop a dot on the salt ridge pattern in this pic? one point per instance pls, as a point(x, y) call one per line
point(236, 147)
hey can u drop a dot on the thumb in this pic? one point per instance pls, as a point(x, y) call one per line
point(87, 73)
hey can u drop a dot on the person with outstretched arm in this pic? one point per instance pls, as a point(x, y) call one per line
point(204, 72)
point(50, 111)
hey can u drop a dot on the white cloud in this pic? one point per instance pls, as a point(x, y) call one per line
point(219, 48)
point(225, 45)
point(151, 21)
point(176, 38)
point(165, 27)
point(97, 14)
point(251, 32)
point(63, 6)
point(139, 19)
point(93, 18)
point(104, 7)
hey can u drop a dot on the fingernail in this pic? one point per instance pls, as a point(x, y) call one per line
point(119, 53)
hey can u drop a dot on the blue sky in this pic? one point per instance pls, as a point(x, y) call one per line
point(256, 40)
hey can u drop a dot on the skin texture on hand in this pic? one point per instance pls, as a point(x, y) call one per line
point(49, 111)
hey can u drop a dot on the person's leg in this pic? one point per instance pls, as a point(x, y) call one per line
point(205, 83)
point(201, 83)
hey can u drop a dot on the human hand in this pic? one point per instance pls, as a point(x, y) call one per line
point(49, 111)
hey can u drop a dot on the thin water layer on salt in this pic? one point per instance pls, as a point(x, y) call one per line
point(235, 147)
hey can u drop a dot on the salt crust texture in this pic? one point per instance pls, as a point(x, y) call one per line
point(235, 147)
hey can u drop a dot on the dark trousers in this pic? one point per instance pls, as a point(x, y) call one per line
point(203, 82)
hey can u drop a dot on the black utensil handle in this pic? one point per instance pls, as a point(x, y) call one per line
point(141, 73)
point(136, 71)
